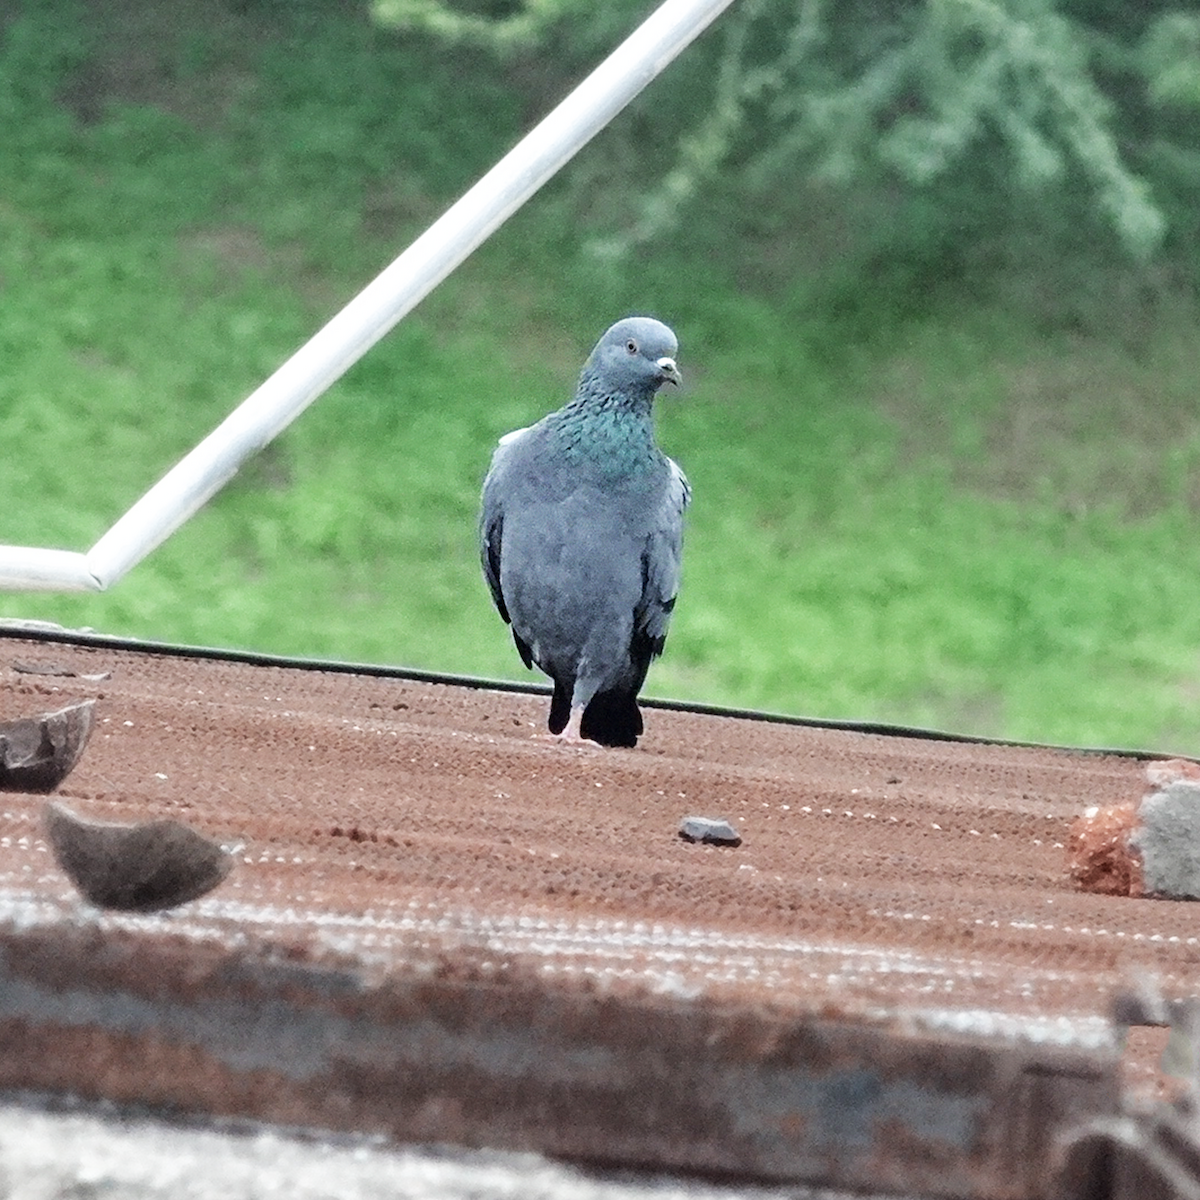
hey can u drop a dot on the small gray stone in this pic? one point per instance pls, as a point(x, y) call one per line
point(1168, 840)
point(708, 829)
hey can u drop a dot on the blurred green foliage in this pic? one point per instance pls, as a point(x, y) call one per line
point(1047, 106)
point(942, 431)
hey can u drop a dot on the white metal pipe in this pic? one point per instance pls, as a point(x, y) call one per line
point(421, 267)
point(26, 569)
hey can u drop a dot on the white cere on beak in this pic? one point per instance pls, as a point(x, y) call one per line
point(668, 368)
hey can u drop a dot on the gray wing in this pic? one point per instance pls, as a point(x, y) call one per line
point(491, 517)
point(660, 569)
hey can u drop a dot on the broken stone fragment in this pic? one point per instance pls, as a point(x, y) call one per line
point(708, 829)
point(139, 867)
point(37, 753)
point(1149, 847)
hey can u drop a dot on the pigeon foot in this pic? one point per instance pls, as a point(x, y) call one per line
point(570, 736)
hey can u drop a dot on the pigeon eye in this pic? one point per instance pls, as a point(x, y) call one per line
point(631, 346)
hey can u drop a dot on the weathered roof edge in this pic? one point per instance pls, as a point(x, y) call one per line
point(45, 632)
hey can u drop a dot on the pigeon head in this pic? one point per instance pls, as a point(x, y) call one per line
point(635, 357)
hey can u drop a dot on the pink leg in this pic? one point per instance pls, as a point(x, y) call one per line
point(571, 732)
point(570, 735)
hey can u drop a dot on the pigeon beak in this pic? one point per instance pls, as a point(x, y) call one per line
point(669, 370)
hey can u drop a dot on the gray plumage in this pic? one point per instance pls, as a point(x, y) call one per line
point(581, 535)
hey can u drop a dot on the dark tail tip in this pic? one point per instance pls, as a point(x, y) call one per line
point(612, 719)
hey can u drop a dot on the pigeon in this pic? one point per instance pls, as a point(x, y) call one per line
point(581, 536)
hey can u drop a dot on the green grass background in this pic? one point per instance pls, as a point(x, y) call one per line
point(941, 513)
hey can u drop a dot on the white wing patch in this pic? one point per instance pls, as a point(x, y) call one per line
point(679, 484)
point(516, 433)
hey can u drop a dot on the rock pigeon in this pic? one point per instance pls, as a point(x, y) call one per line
point(581, 536)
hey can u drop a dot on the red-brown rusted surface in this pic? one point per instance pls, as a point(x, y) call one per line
point(398, 831)
point(1100, 858)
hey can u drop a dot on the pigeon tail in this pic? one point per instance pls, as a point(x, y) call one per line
point(612, 719)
